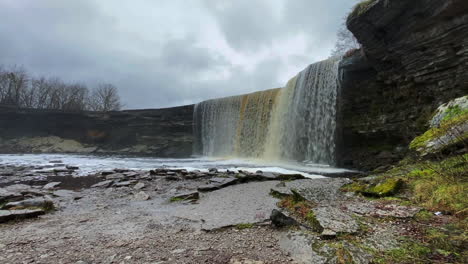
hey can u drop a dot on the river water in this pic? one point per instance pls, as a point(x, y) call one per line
point(93, 163)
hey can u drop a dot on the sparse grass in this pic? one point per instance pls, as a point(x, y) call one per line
point(454, 111)
point(424, 216)
point(435, 185)
point(408, 252)
point(302, 209)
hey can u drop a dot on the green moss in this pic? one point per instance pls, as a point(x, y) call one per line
point(277, 194)
point(420, 143)
point(386, 188)
point(356, 187)
point(297, 198)
point(244, 226)
point(453, 112)
point(408, 252)
point(313, 222)
point(176, 199)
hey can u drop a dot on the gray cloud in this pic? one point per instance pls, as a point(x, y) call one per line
point(166, 53)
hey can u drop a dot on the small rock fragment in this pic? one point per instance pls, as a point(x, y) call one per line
point(142, 196)
point(51, 185)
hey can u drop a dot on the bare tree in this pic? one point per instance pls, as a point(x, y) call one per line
point(13, 83)
point(76, 98)
point(16, 88)
point(105, 98)
point(345, 42)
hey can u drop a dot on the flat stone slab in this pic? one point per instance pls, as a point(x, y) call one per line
point(315, 190)
point(335, 220)
point(217, 183)
point(124, 183)
point(103, 184)
point(382, 210)
point(115, 176)
point(6, 195)
point(51, 185)
point(299, 246)
point(67, 194)
point(35, 202)
point(8, 215)
point(230, 206)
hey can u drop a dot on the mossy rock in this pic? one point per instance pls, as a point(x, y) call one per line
point(449, 127)
point(386, 188)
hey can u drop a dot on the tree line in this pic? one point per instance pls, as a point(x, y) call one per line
point(19, 89)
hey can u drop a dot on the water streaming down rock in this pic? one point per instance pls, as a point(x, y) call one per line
point(297, 122)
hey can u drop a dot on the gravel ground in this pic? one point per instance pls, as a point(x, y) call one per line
point(110, 225)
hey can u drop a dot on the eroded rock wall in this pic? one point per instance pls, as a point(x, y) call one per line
point(414, 58)
point(157, 132)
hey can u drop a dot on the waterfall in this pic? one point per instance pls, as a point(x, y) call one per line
point(297, 122)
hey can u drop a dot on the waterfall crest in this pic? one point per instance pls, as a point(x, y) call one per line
point(297, 122)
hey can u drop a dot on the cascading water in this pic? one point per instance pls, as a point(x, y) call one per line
point(297, 122)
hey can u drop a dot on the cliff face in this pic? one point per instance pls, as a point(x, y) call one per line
point(158, 132)
point(414, 58)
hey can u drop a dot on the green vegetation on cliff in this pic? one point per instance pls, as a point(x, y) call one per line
point(433, 177)
point(361, 7)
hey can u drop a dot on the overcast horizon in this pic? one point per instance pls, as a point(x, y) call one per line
point(173, 52)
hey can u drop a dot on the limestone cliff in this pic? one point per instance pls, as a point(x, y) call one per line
point(414, 57)
point(157, 132)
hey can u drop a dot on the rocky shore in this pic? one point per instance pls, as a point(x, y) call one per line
point(55, 215)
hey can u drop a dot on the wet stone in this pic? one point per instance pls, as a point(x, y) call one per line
point(105, 173)
point(279, 219)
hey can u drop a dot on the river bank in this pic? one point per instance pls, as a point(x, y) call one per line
point(180, 216)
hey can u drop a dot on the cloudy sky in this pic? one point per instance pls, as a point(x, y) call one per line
point(162, 53)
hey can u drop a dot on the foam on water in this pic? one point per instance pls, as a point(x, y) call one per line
point(91, 163)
